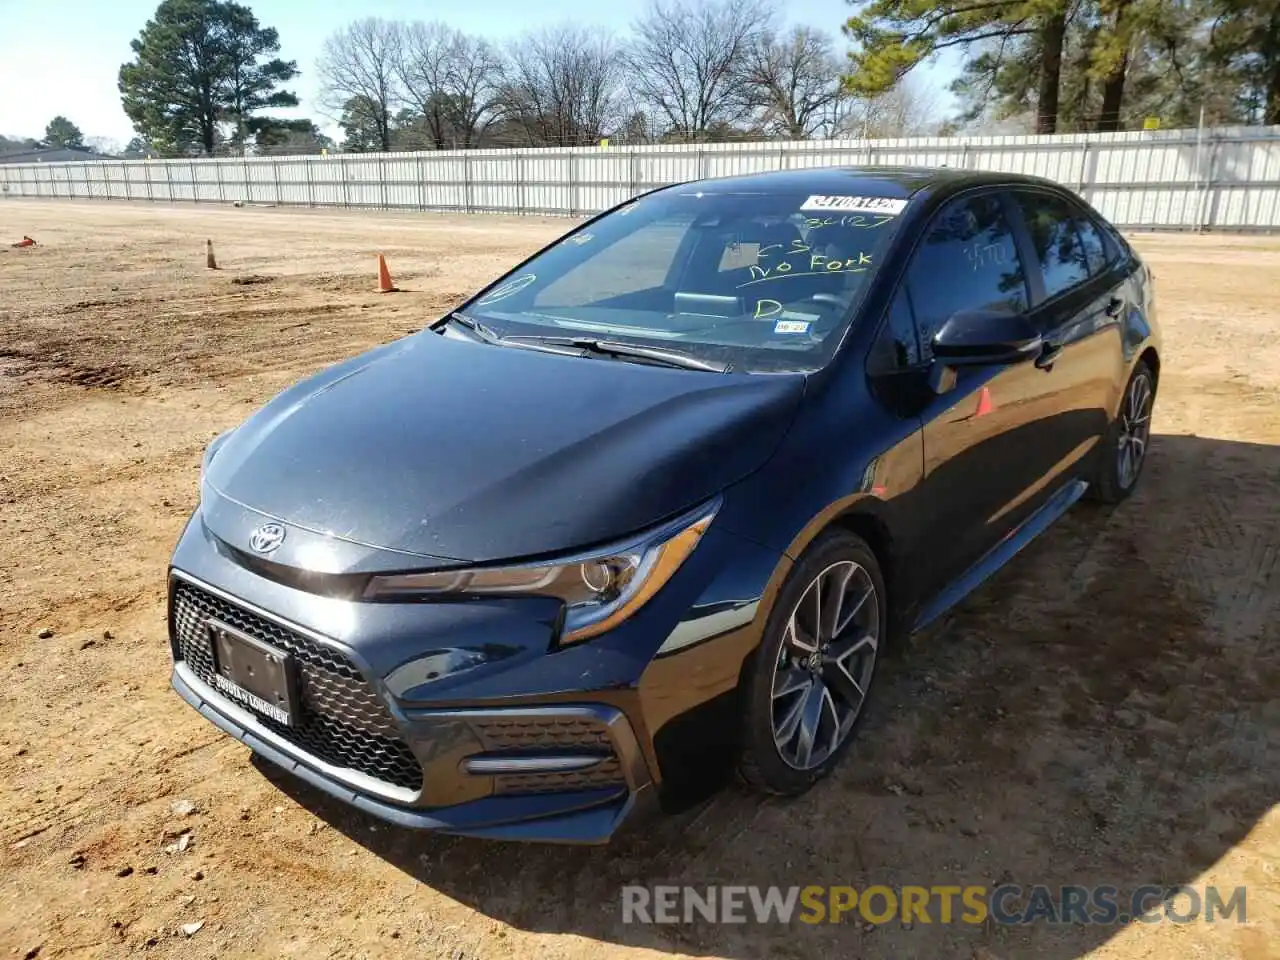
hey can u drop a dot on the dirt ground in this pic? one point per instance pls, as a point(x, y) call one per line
point(1105, 711)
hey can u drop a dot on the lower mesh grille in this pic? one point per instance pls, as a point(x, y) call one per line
point(551, 734)
point(607, 773)
point(343, 722)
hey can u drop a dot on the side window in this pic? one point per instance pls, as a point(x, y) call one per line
point(897, 347)
point(1095, 248)
point(968, 261)
point(1114, 243)
point(1051, 222)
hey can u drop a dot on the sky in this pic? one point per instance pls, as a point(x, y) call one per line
point(63, 56)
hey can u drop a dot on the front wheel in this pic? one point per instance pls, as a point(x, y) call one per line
point(1124, 446)
point(815, 666)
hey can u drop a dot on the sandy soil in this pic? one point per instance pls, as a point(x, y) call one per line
point(1107, 710)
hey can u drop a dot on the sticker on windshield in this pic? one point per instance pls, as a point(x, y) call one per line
point(791, 326)
point(886, 205)
point(507, 289)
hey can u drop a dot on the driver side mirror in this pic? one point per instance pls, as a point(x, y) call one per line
point(978, 338)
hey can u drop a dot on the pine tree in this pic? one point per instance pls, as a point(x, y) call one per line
point(198, 64)
point(894, 36)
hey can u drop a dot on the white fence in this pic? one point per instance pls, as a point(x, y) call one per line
point(1222, 179)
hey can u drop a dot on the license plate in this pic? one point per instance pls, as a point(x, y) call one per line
point(260, 676)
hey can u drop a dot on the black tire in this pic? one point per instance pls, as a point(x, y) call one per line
point(1111, 482)
point(762, 764)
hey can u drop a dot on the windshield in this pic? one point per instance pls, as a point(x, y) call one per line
point(761, 281)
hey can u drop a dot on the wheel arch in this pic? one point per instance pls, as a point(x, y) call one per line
point(861, 515)
point(873, 530)
point(1151, 358)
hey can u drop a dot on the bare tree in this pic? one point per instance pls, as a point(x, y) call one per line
point(359, 63)
point(423, 69)
point(451, 78)
point(794, 80)
point(476, 83)
point(562, 86)
point(687, 56)
point(908, 109)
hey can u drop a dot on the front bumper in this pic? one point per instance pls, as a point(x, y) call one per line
point(585, 816)
point(463, 718)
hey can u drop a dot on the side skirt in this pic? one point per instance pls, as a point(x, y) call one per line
point(1001, 553)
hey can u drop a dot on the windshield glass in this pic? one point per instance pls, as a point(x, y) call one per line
point(762, 281)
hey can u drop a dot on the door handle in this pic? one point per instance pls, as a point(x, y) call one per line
point(1048, 354)
point(1114, 306)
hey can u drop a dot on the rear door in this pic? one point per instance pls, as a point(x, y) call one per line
point(1080, 298)
point(989, 442)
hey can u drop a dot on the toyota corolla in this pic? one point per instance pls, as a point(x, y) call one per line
point(652, 504)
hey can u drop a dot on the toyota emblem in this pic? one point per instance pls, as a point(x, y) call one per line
point(267, 537)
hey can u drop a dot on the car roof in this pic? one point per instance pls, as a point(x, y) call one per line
point(896, 182)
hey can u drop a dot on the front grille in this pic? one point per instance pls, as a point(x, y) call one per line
point(342, 720)
point(550, 734)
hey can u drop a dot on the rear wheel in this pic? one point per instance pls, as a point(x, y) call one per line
point(815, 666)
point(1124, 448)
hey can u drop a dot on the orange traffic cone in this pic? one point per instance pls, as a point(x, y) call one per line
point(384, 276)
point(985, 405)
point(209, 261)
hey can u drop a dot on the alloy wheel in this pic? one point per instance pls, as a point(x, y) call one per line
point(825, 664)
point(1135, 430)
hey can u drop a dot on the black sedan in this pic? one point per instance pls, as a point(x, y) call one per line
point(650, 507)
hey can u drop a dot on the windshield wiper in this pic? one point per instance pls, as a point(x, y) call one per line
point(615, 348)
point(604, 348)
point(475, 326)
point(488, 335)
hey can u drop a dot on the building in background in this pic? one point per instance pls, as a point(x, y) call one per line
point(53, 155)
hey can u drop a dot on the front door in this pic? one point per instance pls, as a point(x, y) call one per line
point(991, 442)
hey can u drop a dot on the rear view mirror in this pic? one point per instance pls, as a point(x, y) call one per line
point(982, 337)
point(708, 305)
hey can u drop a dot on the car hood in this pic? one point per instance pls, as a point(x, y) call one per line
point(451, 450)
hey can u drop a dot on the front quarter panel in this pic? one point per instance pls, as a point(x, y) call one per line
point(846, 454)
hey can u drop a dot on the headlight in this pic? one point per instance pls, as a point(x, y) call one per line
point(599, 590)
